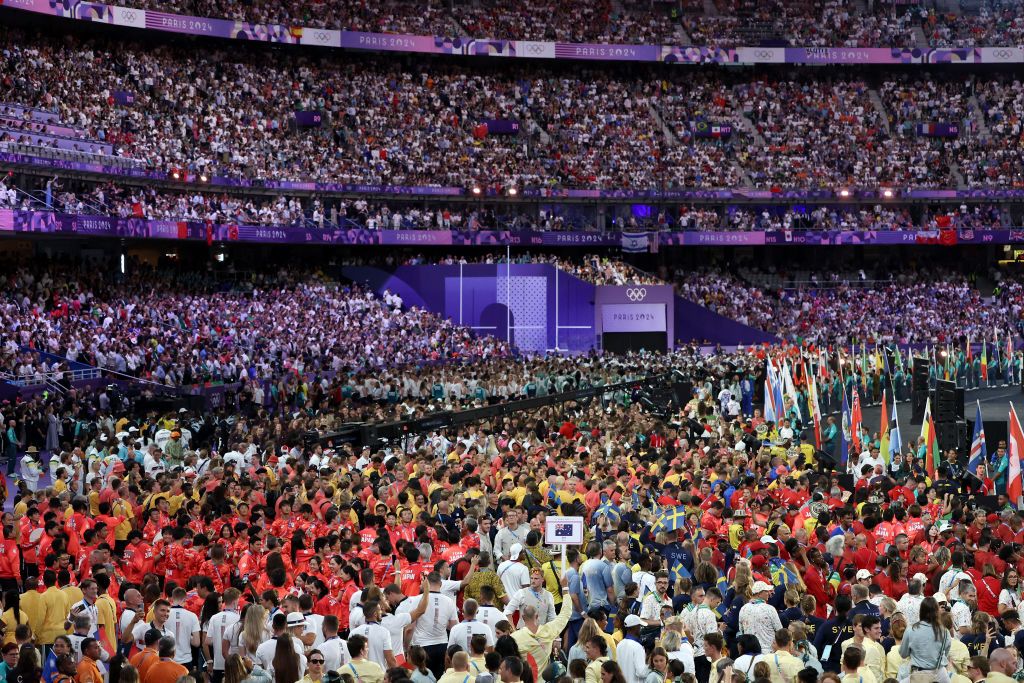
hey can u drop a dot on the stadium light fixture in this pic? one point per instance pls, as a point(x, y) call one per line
point(477, 190)
point(888, 193)
point(203, 178)
point(844, 193)
point(512, 192)
point(176, 174)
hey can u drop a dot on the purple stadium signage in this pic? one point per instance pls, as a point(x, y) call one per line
point(633, 317)
point(308, 119)
point(938, 130)
point(467, 46)
point(48, 222)
point(10, 160)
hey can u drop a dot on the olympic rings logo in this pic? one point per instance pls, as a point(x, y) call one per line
point(637, 294)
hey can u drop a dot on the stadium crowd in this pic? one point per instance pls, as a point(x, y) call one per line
point(385, 122)
point(905, 307)
point(813, 24)
point(151, 546)
point(229, 502)
point(185, 330)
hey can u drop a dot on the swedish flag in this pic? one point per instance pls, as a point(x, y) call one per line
point(610, 511)
point(678, 571)
point(670, 519)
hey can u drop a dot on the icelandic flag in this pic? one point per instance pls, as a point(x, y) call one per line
point(979, 452)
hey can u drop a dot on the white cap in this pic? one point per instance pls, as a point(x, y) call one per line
point(863, 574)
point(760, 587)
point(767, 539)
point(513, 552)
point(940, 597)
point(632, 620)
point(920, 577)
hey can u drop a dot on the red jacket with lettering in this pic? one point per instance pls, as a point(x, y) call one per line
point(10, 560)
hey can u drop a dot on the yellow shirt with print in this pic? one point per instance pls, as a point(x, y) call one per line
point(122, 509)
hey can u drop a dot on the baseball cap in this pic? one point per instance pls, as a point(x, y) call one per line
point(760, 587)
point(513, 552)
point(633, 620)
point(863, 574)
point(767, 539)
point(940, 597)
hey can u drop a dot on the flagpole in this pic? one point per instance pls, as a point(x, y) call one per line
point(985, 459)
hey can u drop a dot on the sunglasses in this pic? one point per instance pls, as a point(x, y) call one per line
point(316, 661)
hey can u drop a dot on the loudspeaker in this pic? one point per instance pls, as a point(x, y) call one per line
point(918, 398)
point(944, 407)
point(946, 435)
point(683, 391)
point(960, 400)
point(919, 380)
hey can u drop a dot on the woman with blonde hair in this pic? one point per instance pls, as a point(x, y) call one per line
point(984, 637)
point(803, 649)
point(893, 660)
point(679, 649)
point(887, 607)
point(743, 581)
point(588, 630)
point(245, 636)
point(238, 669)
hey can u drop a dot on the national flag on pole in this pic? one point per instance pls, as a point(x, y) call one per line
point(790, 388)
point(984, 361)
point(895, 440)
point(815, 408)
point(773, 394)
point(844, 434)
point(1014, 484)
point(856, 424)
point(932, 459)
point(979, 452)
point(883, 430)
point(769, 403)
point(863, 369)
point(670, 520)
point(970, 356)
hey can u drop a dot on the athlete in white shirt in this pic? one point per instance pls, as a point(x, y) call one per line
point(184, 626)
point(217, 627)
point(464, 631)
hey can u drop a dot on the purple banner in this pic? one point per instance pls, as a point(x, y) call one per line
point(308, 119)
point(124, 97)
point(881, 55)
point(502, 126)
point(707, 129)
point(938, 130)
point(625, 53)
point(10, 160)
point(669, 54)
point(633, 317)
point(108, 226)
